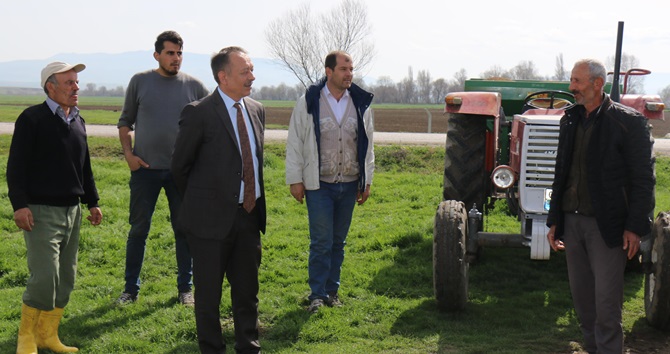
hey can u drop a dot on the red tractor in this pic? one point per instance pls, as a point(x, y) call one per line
point(492, 155)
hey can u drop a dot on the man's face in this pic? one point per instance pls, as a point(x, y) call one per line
point(587, 92)
point(65, 92)
point(237, 79)
point(340, 78)
point(169, 59)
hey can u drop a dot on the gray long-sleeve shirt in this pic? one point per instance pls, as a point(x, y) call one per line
point(152, 108)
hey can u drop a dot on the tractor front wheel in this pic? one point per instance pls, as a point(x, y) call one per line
point(657, 280)
point(450, 268)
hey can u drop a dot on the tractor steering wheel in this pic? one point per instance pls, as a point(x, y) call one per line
point(549, 99)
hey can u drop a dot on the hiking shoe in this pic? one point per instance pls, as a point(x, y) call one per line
point(315, 305)
point(126, 298)
point(333, 300)
point(187, 299)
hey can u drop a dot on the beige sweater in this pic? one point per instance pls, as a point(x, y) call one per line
point(302, 160)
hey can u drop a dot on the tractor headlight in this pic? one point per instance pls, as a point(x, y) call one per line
point(655, 106)
point(503, 177)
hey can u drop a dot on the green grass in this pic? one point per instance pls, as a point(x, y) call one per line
point(516, 305)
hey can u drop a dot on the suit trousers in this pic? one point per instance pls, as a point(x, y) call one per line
point(237, 256)
point(596, 274)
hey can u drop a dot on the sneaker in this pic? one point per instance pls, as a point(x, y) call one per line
point(126, 298)
point(333, 300)
point(314, 305)
point(186, 298)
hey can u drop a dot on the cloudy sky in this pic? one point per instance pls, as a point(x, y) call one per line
point(440, 36)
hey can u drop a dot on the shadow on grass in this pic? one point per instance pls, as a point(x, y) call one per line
point(285, 331)
point(515, 304)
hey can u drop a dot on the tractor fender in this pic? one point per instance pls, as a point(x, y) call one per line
point(479, 103)
point(651, 106)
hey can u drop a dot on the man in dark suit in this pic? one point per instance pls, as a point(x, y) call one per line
point(218, 168)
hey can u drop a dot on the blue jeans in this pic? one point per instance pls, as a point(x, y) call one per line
point(145, 187)
point(329, 209)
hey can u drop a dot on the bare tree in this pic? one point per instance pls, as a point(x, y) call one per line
point(440, 89)
point(347, 28)
point(385, 90)
point(458, 82)
point(301, 41)
point(407, 88)
point(525, 70)
point(423, 83)
point(560, 73)
point(496, 72)
point(628, 61)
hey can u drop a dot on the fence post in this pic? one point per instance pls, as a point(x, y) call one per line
point(430, 120)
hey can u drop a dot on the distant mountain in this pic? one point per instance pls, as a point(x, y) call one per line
point(113, 70)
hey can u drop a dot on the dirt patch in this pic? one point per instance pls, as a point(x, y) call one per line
point(415, 120)
point(409, 120)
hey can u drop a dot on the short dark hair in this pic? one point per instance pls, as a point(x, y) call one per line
point(221, 59)
point(170, 36)
point(331, 58)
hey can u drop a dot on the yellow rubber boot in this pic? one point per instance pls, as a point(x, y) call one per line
point(26, 342)
point(47, 332)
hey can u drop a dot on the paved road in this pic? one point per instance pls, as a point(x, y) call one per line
point(280, 135)
point(662, 146)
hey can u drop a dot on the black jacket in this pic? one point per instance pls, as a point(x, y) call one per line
point(361, 100)
point(620, 171)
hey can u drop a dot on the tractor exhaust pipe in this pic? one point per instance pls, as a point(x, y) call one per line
point(614, 93)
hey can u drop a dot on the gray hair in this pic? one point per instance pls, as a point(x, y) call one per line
point(596, 69)
point(51, 79)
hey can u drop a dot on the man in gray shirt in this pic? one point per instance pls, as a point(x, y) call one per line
point(153, 103)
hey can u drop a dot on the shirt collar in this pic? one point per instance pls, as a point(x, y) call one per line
point(330, 95)
point(57, 109)
point(229, 102)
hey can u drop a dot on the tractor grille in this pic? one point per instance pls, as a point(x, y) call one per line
point(540, 143)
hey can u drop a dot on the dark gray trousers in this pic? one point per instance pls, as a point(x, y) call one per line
point(596, 274)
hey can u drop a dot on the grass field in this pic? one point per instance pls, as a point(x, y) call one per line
point(516, 305)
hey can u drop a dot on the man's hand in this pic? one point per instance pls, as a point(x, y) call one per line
point(135, 162)
point(362, 197)
point(126, 139)
point(556, 245)
point(96, 216)
point(298, 191)
point(23, 218)
point(631, 242)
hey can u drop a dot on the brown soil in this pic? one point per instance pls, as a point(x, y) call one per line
point(409, 120)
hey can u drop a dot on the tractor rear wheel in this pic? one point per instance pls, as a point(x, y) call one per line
point(464, 162)
point(657, 280)
point(450, 268)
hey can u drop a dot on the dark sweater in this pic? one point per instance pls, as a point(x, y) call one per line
point(49, 161)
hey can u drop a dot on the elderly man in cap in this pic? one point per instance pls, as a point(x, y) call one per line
point(48, 176)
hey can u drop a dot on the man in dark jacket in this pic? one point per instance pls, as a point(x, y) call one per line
point(601, 202)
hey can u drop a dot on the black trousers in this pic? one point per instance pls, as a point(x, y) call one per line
point(238, 257)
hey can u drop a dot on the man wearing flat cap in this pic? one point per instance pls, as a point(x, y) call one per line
point(48, 176)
